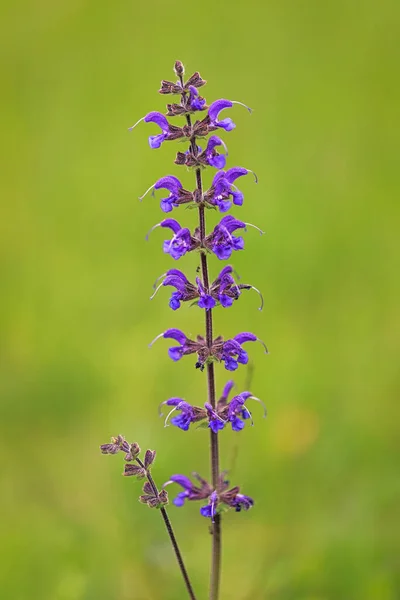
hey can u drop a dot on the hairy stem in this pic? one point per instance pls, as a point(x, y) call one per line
point(214, 449)
point(170, 533)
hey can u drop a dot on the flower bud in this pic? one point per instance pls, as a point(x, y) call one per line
point(179, 68)
point(149, 458)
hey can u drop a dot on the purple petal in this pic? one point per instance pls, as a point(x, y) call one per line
point(206, 511)
point(207, 302)
point(182, 480)
point(223, 252)
point(173, 401)
point(176, 334)
point(224, 205)
point(159, 119)
point(213, 142)
point(243, 358)
point(230, 364)
point(216, 425)
point(238, 243)
point(237, 197)
point(227, 389)
point(178, 273)
point(175, 353)
point(166, 204)
point(232, 174)
point(176, 282)
point(217, 177)
point(180, 499)
point(171, 224)
point(241, 338)
point(174, 301)
point(231, 223)
point(225, 271)
point(241, 501)
point(237, 424)
point(182, 421)
point(218, 161)
point(225, 300)
point(226, 124)
point(216, 107)
point(169, 182)
point(155, 141)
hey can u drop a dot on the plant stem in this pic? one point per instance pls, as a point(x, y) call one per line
point(170, 533)
point(214, 449)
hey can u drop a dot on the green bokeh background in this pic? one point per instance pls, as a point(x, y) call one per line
point(76, 319)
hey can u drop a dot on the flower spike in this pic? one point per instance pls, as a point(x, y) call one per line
point(199, 121)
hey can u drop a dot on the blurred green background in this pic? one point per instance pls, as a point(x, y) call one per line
point(77, 274)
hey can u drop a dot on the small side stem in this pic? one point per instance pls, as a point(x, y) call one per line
point(171, 534)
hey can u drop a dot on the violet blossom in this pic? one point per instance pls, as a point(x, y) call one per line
point(178, 195)
point(223, 189)
point(169, 132)
point(216, 107)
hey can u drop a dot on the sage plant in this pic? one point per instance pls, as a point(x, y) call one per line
point(201, 121)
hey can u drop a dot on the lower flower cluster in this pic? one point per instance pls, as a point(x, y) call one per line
point(218, 499)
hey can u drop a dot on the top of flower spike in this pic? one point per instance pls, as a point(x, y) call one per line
point(169, 87)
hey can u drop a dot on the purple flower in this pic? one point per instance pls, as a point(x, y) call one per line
point(159, 119)
point(221, 241)
point(210, 510)
point(173, 185)
point(169, 132)
point(181, 242)
point(216, 107)
point(215, 422)
point(177, 195)
point(206, 301)
point(211, 155)
point(216, 497)
point(184, 289)
point(189, 414)
point(223, 188)
point(196, 102)
point(190, 491)
point(224, 288)
point(232, 352)
point(235, 412)
point(186, 346)
point(241, 501)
